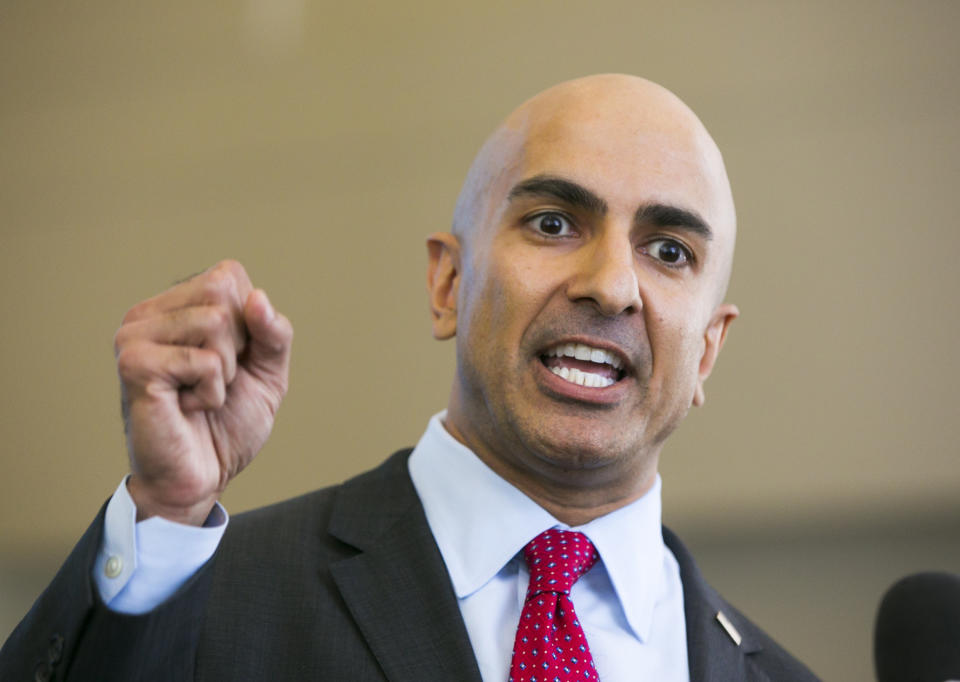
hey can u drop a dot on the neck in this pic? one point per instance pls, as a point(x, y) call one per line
point(573, 514)
point(573, 497)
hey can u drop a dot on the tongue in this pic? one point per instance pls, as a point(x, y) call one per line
point(599, 368)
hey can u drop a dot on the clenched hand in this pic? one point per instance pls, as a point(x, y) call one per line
point(203, 368)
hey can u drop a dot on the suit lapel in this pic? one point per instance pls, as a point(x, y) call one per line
point(712, 652)
point(396, 587)
point(398, 591)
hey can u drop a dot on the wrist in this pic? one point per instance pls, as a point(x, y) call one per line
point(149, 504)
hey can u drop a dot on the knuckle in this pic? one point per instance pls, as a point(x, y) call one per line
point(120, 340)
point(211, 286)
point(232, 266)
point(219, 286)
point(134, 313)
point(206, 363)
point(241, 281)
point(221, 330)
point(220, 319)
point(237, 271)
point(129, 361)
point(205, 320)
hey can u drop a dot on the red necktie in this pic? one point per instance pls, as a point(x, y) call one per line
point(550, 644)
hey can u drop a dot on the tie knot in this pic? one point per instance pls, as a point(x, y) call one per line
point(557, 558)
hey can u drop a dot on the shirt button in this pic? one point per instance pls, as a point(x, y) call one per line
point(113, 567)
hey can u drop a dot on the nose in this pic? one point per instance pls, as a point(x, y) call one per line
point(606, 275)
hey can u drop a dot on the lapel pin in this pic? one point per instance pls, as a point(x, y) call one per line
point(728, 626)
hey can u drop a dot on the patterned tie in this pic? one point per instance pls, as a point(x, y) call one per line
point(550, 644)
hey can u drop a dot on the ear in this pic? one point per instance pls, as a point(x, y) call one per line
point(712, 343)
point(443, 282)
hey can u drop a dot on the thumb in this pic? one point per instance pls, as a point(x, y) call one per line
point(271, 335)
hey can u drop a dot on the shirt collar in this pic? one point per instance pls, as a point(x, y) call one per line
point(630, 543)
point(480, 522)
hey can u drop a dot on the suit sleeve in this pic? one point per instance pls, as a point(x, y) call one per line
point(70, 634)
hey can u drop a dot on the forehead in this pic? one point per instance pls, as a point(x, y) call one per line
point(627, 157)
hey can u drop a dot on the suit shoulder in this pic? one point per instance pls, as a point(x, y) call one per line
point(309, 515)
point(771, 657)
point(309, 505)
point(703, 607)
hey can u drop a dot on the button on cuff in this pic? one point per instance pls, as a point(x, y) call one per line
point(113, 567)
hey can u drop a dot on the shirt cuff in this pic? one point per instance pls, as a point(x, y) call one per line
point(139, 565)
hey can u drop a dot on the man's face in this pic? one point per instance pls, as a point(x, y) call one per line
point(587, 301)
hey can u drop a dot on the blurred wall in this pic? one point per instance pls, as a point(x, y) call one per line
point(320, 144)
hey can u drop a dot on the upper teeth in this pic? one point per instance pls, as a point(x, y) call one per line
point(584, 352)
point(575, 376)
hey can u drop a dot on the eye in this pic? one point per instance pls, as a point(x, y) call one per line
point(669, 252)
point(552, 225)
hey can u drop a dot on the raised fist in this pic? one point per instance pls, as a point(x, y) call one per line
point(203, 368)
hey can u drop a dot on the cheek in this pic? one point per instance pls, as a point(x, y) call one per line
point(676, 338)
point(501, 299)
point(483, 319)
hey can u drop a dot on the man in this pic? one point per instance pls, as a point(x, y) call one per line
point(584, 281)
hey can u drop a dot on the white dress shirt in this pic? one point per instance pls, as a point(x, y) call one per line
point(630, 603)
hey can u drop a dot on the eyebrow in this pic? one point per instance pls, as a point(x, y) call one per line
point(578, 196)
point(552, 187)
point(665, 215)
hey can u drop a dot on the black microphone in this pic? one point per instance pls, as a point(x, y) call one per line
point(917, 635)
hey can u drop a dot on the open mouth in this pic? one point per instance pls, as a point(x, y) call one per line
point(584, 365)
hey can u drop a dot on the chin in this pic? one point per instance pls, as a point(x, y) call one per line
point(575, 449)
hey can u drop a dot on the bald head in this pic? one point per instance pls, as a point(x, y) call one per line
point(582, 124)
point(584, 284)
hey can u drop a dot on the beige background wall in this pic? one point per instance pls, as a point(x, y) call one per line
point(320, 142)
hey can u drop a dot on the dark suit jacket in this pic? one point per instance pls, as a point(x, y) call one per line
point(345, 583)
